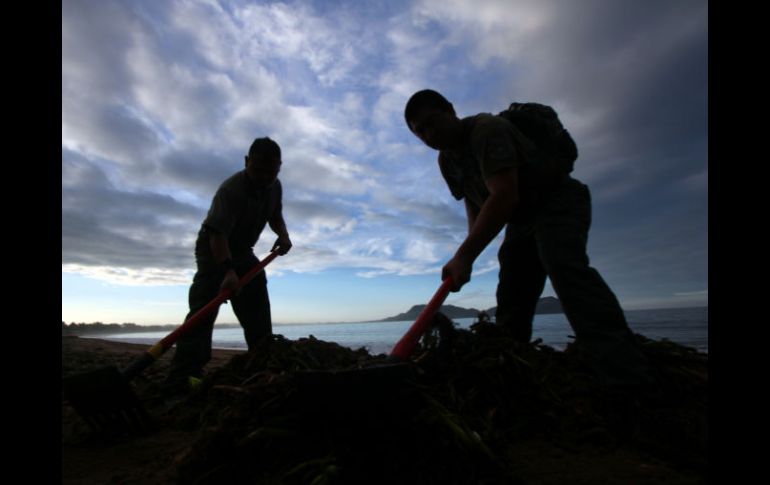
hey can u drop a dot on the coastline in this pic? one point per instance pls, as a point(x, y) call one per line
point(114, 352)
point(685, 326)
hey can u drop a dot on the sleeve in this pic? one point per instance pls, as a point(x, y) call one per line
point(451, 176)
point(221, 217)
point(494, 147)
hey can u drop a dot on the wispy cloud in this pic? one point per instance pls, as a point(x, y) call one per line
point(703, 293)
point(161, 100)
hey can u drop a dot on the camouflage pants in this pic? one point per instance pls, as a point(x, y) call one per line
point(552, 243)
point(251, 306)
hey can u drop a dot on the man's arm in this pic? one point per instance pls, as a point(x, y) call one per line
point(278, 225)
point(494, 214)
point(472, 212)
point(220, 249)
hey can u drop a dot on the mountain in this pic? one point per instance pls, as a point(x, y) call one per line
point(450, 311)
point(546, 305)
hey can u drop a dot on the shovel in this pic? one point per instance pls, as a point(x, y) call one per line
point(392, 372)
point(104, 398)
point(405, 346)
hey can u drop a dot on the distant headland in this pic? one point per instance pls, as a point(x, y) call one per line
point(545, 305)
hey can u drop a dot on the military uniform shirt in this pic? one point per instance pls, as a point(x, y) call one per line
point(240, 210)
point(493, 144)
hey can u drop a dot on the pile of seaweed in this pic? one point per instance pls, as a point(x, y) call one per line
point(314, 412)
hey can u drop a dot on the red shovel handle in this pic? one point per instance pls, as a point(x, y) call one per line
point(405, 346)
point(223, 295)
point(153, 353)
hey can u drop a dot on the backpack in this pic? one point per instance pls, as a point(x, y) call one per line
point(540, 124)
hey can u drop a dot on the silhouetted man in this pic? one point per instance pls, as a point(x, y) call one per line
point(242, 206)
point(502, 178)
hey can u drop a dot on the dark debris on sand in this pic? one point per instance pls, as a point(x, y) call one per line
point(472, 407)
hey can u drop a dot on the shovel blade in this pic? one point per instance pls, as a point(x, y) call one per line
point(106, 402)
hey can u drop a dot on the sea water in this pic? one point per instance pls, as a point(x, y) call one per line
point(685, 326)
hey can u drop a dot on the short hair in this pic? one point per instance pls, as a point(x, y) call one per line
point(262, 148)
point(427, 98)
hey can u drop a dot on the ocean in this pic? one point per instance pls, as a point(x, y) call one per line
point(685, 326)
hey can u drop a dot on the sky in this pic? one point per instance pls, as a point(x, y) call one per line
point(161, 101)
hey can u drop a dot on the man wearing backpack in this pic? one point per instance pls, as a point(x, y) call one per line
point(508, 180)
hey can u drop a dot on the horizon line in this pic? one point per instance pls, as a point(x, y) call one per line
point(328, 322)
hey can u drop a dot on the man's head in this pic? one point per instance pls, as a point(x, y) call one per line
point(263, 161)
point(432, 119)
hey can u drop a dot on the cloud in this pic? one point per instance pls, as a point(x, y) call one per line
point(295, 32)
point(312, 170)
point(697, 182)
point(197, 171)
point(103, 225)
point(421, 250)
point(131, 276)
point(623, 76)
point(161, 100)
point(490, 28)
point(189, 98)
point(666, 252)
